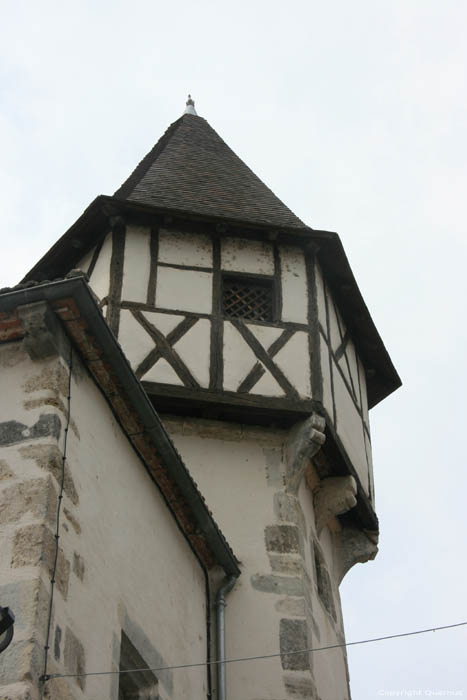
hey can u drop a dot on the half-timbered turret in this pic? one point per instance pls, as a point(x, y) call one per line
point(248, 332)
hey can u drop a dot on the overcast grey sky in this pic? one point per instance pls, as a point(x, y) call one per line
point(354, 113)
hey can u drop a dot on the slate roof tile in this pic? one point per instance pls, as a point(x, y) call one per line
point(192, 169)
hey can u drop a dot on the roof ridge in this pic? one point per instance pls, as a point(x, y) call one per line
point(127, 187)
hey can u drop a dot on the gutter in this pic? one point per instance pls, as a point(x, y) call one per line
point(220, 606)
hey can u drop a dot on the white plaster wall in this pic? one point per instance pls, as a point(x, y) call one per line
point(351, 355)
point(294, 360)
point(239, 359)
point(100, 277)
point(266, 335)
point(242, 255)
point(135, 342)
point(138, 566)
point(321, 299)
point(184, 290)
point(162, 372)
point(86, 261)
point(294, 285)
point(346, 372)
point(326, 377)
point(349, 428)
point(232, 476)
point(194, 349)
point(267, 386)
point(336, 324)
point(165, 323)
point(364, 394)
point(348, 421)
point(239, 471)
point(137, 263)
point(192, 249)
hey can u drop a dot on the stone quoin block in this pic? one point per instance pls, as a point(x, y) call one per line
point(293, 638)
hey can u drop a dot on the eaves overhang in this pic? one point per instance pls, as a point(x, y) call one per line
point(75, 305)
point(94, 223)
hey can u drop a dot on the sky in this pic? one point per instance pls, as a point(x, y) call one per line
point(354, 114)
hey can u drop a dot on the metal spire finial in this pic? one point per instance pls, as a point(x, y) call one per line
point(190, 106)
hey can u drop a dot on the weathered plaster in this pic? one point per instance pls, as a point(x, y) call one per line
point(133, 338)
point(191, 249)
point(349, 429)
point(241, 255)
point(239, 359)
point(137, 264)
point(184, 290)
point(293, 360)
point(277, 602)
point(100, 277)
point(294, 285)
point(193, 349)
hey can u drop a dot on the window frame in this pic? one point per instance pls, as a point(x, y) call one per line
point(257, 280)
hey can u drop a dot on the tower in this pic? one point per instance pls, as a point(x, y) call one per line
point(248, 332)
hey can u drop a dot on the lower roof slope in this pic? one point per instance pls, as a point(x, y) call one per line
point(192, 169)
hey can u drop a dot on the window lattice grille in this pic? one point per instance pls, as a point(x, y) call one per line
point(247, 299)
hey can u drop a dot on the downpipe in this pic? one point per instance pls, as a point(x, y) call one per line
point(220, 605)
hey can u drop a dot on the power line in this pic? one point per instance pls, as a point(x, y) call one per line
point(256, 658)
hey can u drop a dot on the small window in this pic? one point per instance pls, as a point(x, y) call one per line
point(139, 685)
point(248, 297)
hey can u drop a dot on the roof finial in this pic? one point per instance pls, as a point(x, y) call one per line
point(190, 106)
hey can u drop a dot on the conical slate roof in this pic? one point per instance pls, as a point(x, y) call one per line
point(192, 169)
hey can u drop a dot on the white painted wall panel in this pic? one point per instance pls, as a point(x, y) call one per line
point(86, 261)
point(100, 277)
point(337, 329)
point(364, 394)
point(321, 300)
point(266, 335)
point(267, 386)
point(184, 290)
point(351, 355)
point(163, 322)
point(294, 360)
point(137, 263)
point(135, 342)
point(240, 478)
point(294, 285)
point(232, 476)
point(239, 359)
point(192, 249)
point(326, 375)
point(344, 367)
point(162, 373)
point(242, 255)
point(193, 348)
point(128, 534)
point(350, 428)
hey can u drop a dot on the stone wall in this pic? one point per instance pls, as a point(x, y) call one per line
point(281, 518)
point(123, 565)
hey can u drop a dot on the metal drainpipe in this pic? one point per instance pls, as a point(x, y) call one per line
point(220, 604)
